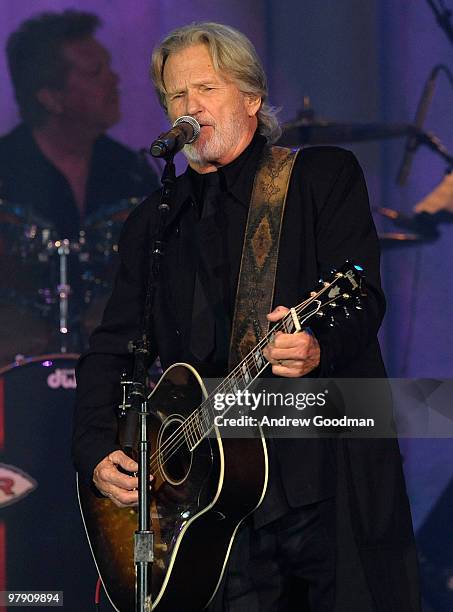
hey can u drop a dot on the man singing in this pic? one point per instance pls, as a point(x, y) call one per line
point(290, 555)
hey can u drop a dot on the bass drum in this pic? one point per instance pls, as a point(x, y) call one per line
point(44, 545)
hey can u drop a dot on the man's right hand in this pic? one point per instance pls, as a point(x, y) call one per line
point(119, 487)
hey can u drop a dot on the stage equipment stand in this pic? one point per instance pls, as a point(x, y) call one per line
point(134, 412)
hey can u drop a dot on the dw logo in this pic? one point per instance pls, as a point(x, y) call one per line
point(14, 484)
point(64, 378)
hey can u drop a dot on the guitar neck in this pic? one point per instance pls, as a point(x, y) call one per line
point(200, 423)
point(338, 290)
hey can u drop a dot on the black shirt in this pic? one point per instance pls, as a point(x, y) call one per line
point(28, 179)
point(218, 239)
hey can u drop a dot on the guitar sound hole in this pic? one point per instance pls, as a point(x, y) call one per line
point(175, 458)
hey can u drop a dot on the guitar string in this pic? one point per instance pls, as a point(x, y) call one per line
point(164, 454)
point(188, 424)
point(189, 421)
point(180, 442)
point(191, 425)
point(178, 437)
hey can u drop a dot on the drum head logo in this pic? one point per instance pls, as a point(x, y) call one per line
point(14, 484)
point(62, 378)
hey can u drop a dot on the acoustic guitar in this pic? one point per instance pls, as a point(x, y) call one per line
point(204, 485)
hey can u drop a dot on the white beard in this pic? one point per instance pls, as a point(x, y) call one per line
point(224, 139)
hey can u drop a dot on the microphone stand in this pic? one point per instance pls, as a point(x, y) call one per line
point(432, 142)
point(135, 410)
point(443, 18)
point(418, 136)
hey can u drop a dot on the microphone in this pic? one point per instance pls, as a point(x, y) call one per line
point(413, 140)
point(185, 130)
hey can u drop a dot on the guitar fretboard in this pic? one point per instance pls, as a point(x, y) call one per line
point(201, 422)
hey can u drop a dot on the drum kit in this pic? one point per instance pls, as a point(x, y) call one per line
point(407, 230)
point(53, 289)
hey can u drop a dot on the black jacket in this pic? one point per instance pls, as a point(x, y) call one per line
point(327, 220)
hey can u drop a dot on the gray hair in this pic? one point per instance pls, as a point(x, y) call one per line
point(232, 53)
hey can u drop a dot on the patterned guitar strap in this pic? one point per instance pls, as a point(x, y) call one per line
point(255, 291)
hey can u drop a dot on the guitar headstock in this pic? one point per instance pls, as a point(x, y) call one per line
point(340, 288)
point(345, 282)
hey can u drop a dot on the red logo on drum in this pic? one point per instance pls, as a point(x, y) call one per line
point(62, 378)
point(14, 484)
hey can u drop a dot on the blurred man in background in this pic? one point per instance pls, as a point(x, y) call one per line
point(58, 163)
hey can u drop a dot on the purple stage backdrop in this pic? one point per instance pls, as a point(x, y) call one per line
point(357, 61)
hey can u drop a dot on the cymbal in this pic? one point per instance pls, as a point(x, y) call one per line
point(422, 225)
point(12, 214)
point(16, 214)
point(319, 131)
point(390, 239)
point(115, 213)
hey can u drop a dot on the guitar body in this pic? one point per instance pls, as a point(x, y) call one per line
point(203, 489)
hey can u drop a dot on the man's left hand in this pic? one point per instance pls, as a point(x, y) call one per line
point(291, 355)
